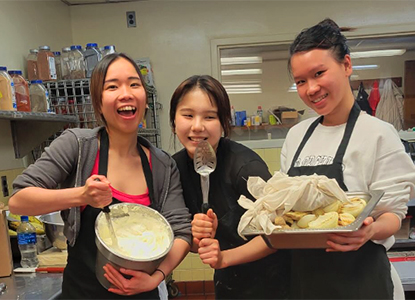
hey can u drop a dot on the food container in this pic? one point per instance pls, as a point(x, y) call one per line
point(316, 238)
point(107, 254)
point(53, 225)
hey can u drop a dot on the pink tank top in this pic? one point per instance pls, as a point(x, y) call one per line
point(143, 199)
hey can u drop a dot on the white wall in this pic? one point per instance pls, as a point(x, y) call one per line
point(176, 35)
point(29, 24)
point(25, 25)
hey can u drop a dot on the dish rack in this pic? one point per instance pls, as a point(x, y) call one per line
point(72, 97)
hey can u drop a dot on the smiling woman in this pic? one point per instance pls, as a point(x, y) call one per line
point(364, 153)
point(128, 168)
point(200, 110)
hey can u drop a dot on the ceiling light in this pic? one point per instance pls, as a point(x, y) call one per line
point(365, 67)
point(377, 53)
point(241, 72)
point(240, 60)
point(244, 91)
point(241, 86)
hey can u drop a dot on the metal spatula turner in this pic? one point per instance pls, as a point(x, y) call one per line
point(205, 163)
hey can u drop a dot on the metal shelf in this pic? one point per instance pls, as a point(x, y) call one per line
point(31, 129)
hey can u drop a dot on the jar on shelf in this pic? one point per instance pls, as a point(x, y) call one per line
point(65, 63)
point(7, 95)
point(21, 88)
point(39, 97)
point(76, 62)
point(58, 65)
point(46, 64)
point(92, 56)
point(32, 72)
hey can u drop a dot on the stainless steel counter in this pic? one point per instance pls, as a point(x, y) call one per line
point(32, 286)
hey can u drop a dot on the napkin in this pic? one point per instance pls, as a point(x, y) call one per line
point(282, 193)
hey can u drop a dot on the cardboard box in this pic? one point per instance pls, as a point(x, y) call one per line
point(6, 259)
point(289, 117)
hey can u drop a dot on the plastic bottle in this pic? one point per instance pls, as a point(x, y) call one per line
point(26, 239)
point(76, 62)
point(39, 97)
point(32, 72)
point(7, 95)
point(108, 50)
point(46, 64)
point(58, 65)
point(260, 113)
point(21, 91)
point(65, 63)
point(233, 121)
point(92, 56)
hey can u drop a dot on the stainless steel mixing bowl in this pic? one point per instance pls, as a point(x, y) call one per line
point(53, 225)
point(107, 255)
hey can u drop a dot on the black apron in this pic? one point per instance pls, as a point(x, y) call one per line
point(316, 274)
point(266, 278)
point(79, 280)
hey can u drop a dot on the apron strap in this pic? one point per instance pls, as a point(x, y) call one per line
point(351, 122)
point(147, 173)
point(305, 139)
point(103, 163)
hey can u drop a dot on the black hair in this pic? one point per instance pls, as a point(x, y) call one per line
point(98, 79)
point(325, 35)
point(217, 95)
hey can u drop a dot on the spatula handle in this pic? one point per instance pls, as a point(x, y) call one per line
point(105, 209)
point(204, 181)
point(205, 208)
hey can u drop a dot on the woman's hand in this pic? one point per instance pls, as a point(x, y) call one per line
point(351, 241)
point(210, 254)
point(204, 226)
point(97, 192)
point(139, 282)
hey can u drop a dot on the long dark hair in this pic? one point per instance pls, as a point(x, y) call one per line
point(98, 78)
point(217, 95)
point(325, 35)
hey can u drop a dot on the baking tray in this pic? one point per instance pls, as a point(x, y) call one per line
point(316, 238)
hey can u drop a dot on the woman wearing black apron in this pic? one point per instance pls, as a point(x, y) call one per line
point(200, 109)
point(361, 153)
point(100, 166)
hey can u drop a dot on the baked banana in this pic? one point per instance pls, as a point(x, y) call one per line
point(328, 220)
point(346, 219)
point(355, 207)
point(335, 206)
point(296, 215)
point(318, 212)
point(304, 221)
point(279, 221)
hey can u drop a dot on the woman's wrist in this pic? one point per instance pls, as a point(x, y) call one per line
point(224, 259)
point(159, 274)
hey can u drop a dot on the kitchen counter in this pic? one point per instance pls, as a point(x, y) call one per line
point(263, 144)
point(406, 272)
point(277, 143)
point(32, 286)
